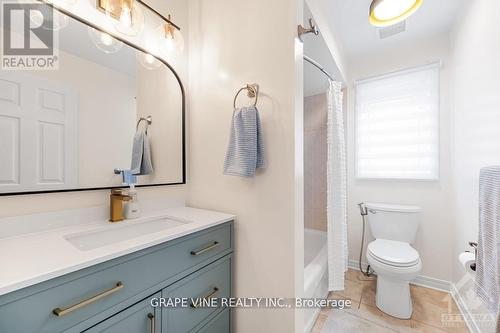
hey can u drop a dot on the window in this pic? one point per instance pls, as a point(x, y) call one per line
point(397, 125)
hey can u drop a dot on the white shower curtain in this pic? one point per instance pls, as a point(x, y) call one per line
point(336, 190)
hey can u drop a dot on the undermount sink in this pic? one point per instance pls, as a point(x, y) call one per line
point(118, 232)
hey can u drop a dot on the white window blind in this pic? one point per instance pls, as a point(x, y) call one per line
point(397, 125)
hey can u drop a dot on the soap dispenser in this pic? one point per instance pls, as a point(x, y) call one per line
point(132, 209)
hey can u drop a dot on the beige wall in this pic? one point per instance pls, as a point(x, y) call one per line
point(433, 240)
point(315, 159)
point(476, 115)
point(234, 43)
point(39, 203)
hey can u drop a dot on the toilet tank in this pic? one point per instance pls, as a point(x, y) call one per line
point(393, 222)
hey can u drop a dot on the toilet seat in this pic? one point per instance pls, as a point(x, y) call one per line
point(393, 253)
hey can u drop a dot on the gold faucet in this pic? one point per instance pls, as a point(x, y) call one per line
point(116, 198)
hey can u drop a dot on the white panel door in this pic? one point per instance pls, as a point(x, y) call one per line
point(10, 122)
point(38, 134)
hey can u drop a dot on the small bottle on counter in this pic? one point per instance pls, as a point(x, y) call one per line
point(132, 209)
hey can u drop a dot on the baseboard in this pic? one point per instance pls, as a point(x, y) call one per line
point(441, 285)
point(421, 280)
point(464, 309)
point(429, 282)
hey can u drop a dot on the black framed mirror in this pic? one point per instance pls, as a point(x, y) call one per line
point(80, 127)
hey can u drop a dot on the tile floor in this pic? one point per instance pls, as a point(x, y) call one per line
point(429, 306)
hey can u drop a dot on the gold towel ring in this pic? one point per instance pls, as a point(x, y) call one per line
point(252, 92)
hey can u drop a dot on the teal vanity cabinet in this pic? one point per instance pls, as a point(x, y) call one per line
point(212, 281)
point(115, 296)
point(141, 317)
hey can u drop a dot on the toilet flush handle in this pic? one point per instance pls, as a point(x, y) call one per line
point(372, 211)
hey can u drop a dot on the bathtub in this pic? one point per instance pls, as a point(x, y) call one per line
point(315, 272)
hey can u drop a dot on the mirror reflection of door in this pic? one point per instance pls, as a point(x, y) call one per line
point(38, 133)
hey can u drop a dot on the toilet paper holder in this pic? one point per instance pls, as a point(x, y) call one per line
point(473, 245)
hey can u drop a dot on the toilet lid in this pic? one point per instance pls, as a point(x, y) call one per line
point(393, 253)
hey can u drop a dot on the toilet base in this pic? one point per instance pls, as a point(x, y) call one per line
point(393, 297)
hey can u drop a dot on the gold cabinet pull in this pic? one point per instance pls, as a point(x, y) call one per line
point(205, 249)
point(64, 311)
point(209, 296)
point(152, 327)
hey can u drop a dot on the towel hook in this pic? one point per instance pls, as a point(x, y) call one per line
point(252, 92)
point(148, 120)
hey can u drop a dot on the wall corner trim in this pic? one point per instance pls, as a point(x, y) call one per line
point(464, 309)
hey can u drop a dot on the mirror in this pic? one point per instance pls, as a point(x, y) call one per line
point(69, 128)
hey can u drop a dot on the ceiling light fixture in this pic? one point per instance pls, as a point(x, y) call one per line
point(388, 12)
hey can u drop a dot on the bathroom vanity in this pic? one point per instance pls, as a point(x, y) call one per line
point(76, 129)
point(107, 277)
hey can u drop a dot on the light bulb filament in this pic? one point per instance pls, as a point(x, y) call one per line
point(126, 16)
point(169, 37)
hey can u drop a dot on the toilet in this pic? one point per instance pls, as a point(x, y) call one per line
point(392, 257)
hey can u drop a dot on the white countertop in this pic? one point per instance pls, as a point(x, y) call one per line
point(39, 254)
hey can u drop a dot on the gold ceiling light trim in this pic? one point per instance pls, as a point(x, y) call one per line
point(114, 9)
point(169, 29)
point(384, 22)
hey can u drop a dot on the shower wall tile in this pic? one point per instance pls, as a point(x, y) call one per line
point(315, 157)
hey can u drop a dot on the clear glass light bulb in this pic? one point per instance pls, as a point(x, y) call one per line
point(106, 39)
point(149, 58)
point(126, 16)
point(169, 42)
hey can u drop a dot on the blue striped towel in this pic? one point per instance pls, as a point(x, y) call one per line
point(245, 152)
point(487, 281)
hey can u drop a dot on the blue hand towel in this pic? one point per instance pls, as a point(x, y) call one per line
point(141, 155)
point(245, 152)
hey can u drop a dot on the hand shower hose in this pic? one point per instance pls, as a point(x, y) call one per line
point(364, 212)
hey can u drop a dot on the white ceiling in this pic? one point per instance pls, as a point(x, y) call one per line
point(349, 19)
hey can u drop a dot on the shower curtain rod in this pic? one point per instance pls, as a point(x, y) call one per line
point(321, 68)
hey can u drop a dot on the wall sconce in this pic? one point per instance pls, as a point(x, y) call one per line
point(126, 15)
point(129, 20)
